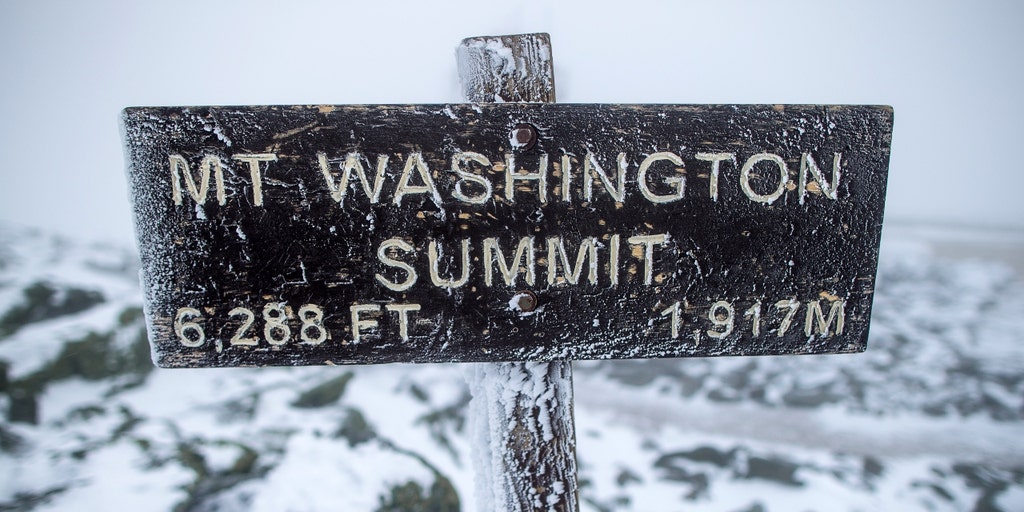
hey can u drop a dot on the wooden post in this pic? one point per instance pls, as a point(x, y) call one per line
point(507, 69)
point(725, 272)
point(521, 413)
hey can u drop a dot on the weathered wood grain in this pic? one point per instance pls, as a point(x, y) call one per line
point(507, 69)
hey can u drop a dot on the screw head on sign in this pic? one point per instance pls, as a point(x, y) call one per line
point(523, 136)
point(524, 301)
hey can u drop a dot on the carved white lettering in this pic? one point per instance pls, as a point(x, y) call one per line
point(402, 310)
point(382, 254)
point(754, 313)
point(241, 335)
point(815, 317)
point(724, 321)
point(716, 160)
point(312, 318)
point(469, 178)
point(677, 182)
point(673, 312)
point(613, 258)
point(557, 254)
point(278, 319)
point(209, 163)
point(591, 168)
point(566, 169)
point(459, 193)
point(353, 162)
point(828, 189)
point(722, 315)
point(254, 173)
point(415, 162)
point(359, 322)
point(649, 241)
point(512, 176)
point(523, 258)
point(791, 306)
point(275, 326)
point(182, 326)
point(434, 256)
point(562, 266)
point(748, 167)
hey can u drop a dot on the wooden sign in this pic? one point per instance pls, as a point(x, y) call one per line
point(300, 235)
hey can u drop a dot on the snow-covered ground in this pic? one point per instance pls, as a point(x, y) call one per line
point(929, 418)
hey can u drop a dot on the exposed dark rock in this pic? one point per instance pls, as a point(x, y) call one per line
point(240, 409)
point(626, 477)
point(773, 469)
point(707, 454)
point(43, 301)
point(446, 422)
point(811, 397)
point(755, 507)
point(95, 356)
point(740, 378)
point(411, 497)
point(674, 468)
point(30, 500)
point(990, 483)
point(355, 429)
point(24, 406)
point(725, 395)
point(873, 468)
point(323, 394)
point(10, 442)
point(209, 483)
point(936, 489)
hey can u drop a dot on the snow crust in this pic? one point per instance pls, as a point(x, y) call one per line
point(513, 401)
point(928, 418)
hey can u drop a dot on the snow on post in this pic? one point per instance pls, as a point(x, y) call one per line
point(507, 69)
point(521, 414)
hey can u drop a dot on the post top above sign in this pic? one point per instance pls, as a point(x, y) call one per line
point(287, 235)
point(507, 69)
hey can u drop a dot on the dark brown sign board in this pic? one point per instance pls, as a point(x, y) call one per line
point(306, 235)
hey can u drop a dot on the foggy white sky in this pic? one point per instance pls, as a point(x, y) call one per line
point(954, 73)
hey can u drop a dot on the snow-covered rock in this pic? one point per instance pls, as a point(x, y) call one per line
point(929, 418)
